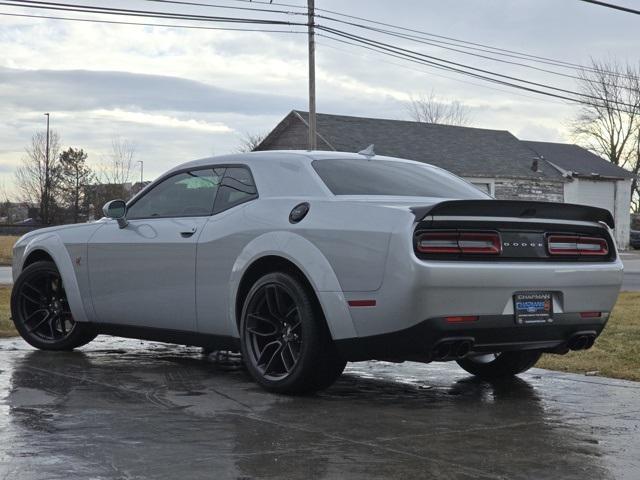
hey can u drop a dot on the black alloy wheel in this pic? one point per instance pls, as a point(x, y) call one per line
point(285, 342)
point(274, 331)
point(41, 312)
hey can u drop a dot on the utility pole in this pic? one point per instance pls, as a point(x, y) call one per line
point(141, 171)
point(45, 203)
point(312, 76)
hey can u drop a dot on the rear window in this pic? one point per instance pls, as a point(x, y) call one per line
point(385, 177)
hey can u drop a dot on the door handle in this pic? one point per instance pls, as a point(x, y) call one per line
point(188, 233)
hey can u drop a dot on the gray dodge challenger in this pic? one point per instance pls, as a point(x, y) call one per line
point(304, 261)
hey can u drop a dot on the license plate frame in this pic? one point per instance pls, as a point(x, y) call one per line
point(533, 308)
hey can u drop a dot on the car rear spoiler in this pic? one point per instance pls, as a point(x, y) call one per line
point(516, 209)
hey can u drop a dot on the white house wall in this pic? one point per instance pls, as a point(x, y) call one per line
point(613, 195)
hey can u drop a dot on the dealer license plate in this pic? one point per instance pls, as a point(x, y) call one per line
point(533, 307)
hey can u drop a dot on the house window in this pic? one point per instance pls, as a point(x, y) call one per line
point(486, 185)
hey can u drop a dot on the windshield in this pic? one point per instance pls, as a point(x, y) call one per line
point(388, 177)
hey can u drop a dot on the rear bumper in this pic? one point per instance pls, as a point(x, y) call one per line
point(490, 333)
point(415, 290)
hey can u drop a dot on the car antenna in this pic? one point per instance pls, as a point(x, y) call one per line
point(368, 152)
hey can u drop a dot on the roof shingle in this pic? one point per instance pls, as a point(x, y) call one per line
point(469, 152)
point(465, 151)
point(577, 160)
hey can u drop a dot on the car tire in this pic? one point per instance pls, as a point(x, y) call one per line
point(501, 365)
point(285, 342)
point(41, 313)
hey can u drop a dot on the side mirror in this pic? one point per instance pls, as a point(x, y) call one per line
point(117, 210)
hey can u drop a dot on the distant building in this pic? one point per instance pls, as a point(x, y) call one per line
point(493, 160)
point(14, 212)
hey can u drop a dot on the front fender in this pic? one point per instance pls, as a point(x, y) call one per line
point(55, 248)
point(310, 260)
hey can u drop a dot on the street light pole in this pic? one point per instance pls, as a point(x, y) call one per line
point(312, 76)
point(141, 171)
point(45, 203)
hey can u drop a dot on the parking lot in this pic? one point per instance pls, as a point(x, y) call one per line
point(129, 409)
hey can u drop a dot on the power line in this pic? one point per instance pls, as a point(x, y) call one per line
point(389, 50)
point(142, 24)
point(442, 39)
point(456, 66)
point(494, 50)
point(405, 66)
point(420, 61)
point(139, 13)
point(364, 42)
point(445, 46)
point(250, 9)
point(420, 40)
point(611, 5)
point(462, 43)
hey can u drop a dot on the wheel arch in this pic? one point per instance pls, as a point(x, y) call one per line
point(37, 255)
point(261, 267)
point(292, 253)
point(51, 248)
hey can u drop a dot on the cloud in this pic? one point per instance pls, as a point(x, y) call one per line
point(90, 90)
point(159, 120)
point(182, 94)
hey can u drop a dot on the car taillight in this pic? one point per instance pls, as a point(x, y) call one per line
point(576, 245)
point(462, 319)
point(470, 243)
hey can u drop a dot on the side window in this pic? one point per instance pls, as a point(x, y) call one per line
point(237, 187)
point(182, 195)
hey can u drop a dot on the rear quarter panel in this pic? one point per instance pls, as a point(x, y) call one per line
point(338, 246)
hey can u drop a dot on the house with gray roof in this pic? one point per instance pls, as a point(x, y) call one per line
point(493, 160)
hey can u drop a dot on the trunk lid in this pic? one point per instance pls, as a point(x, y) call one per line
point(521, 209)
point(526, 231)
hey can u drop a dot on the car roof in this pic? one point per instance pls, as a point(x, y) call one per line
point(272, 155)
point(280, 173)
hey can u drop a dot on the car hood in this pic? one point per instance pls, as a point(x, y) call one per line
point(57, 228)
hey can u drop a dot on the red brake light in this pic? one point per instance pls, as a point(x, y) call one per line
point(575, 245)
point(590, 314)
point(470, 243)
point(462, 319)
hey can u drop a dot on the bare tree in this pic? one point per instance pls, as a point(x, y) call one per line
point(114, 174)
point(609, 123)
point(428, 109)
point(4, 194)
point(5, 204)
point(250, 141)
point(37, 177)
point(117, 166)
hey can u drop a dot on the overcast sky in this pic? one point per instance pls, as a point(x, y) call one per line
point(182, 94)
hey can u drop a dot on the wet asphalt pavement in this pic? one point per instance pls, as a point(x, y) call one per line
point(124, 409)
